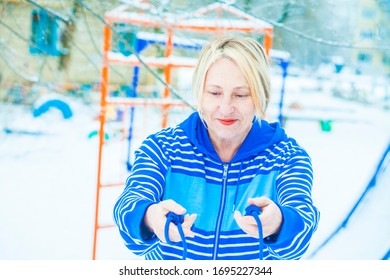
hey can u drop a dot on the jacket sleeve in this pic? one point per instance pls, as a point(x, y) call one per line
point(300, 216)
point(143, 187)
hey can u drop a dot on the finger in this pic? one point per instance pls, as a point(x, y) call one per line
point(174, 235)
point(187, 224)
point(244, 219)
point(261, 201)
point(170, 205)
point(248, 227)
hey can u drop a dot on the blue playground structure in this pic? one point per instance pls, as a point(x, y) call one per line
point(139, 42)
point(57, 104)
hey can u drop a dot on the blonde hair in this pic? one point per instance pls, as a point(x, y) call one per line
point(249, 56)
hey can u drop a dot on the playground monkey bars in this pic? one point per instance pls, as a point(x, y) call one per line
point(138, 15)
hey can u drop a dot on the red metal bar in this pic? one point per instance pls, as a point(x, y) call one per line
point(167, 72)
point(102, 119)
point(112, 185)
point(106, 226)
point(268, 41)
point(131, 101)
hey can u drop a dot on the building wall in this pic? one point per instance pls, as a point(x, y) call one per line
point(82, 65)
point(372, 24)
point(17, 65)
point(83, 41)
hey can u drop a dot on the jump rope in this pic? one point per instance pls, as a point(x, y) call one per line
point(251, 210)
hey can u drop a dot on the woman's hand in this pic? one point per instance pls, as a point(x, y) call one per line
point(155, 219)
point(271, 218)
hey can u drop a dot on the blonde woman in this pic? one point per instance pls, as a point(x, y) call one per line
point(223, 158)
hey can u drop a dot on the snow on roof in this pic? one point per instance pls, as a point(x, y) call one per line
point(140, 5)
point(162, 38)
point(279, 54)
point(197, 20)
point(219, 7)
point(220, 23)
point(173, 61)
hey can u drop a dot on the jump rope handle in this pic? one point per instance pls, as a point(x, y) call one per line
point(251, 210)
point(255, 211)
point(177, 220)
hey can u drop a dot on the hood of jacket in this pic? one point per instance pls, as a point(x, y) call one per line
point(261, 136)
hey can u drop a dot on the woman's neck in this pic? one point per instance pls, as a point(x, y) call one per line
point(226, 150)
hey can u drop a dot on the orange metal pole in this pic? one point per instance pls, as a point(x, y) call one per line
point(138, 101)
point(268, 40)
point(102, 119)
point(219, 11)
point(167, 72)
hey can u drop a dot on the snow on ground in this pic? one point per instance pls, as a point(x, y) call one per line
point(48, 171)
point(344, 160)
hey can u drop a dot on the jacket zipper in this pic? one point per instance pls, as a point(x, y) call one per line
point(221, 210)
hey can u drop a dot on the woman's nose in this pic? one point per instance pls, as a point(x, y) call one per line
point(226, 106)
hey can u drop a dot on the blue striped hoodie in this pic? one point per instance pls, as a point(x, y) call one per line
point(180, 163)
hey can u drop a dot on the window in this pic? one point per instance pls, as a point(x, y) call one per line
point(366, 35)
point(125, 40)
point(386, 59)
point(369, 13)
point(45, 34)
point(364, 57)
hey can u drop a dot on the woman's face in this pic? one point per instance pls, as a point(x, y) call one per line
point(227, 103)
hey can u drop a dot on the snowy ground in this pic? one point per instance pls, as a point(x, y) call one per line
point(48, 171)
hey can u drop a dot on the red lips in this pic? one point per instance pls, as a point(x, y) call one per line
point(227, 121)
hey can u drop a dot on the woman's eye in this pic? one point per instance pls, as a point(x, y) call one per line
point(214, 93)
